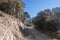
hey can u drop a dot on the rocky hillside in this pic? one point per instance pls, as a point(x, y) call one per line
point(9, 28)
point(10, 16)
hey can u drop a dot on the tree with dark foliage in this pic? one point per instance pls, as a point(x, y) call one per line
point(46, 21)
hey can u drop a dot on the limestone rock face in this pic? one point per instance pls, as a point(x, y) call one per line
point(9, 28)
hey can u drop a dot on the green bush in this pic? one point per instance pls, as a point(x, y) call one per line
point(12, 7)
point(46, 22)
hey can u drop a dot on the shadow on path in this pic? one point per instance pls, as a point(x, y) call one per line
point(24, 31)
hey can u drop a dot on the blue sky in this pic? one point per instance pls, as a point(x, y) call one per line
point(34, 6)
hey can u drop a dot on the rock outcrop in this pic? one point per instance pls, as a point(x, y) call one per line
point(10, 16)
point(9, 28)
